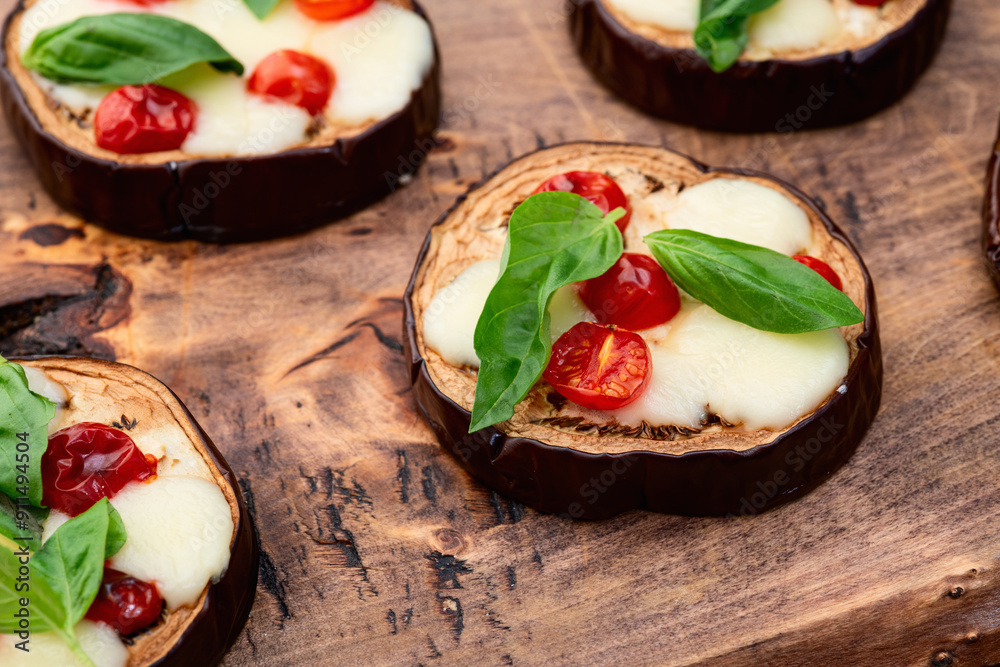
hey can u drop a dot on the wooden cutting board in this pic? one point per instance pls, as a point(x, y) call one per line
point(380, 550)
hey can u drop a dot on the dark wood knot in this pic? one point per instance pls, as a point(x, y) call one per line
point(448, 541)
point(943, 659)
point(956, 592)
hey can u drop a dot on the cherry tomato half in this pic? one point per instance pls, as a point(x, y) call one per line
point(295, 78)
point(822, 268)
point(332, 10)
point(143, 119)
point(87, 462)
point(599, 367)
point(636, 293)
point(125, 603)
point(599, 189)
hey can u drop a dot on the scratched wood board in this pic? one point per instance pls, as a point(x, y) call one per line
point(379, 550)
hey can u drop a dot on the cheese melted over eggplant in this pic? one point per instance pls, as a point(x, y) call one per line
point(705, 367)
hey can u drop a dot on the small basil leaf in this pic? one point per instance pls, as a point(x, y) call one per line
point(756, 286)
point(72, 561)
point(721, 35)
point(261, 8)
point(24, 434)
point(22, 524)
point(554, 239)
point(116, 533)
point(123, 49)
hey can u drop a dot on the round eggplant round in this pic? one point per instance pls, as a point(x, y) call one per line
point(123, 396)
point(560, 463)
point(217, 199)
point(660, 72)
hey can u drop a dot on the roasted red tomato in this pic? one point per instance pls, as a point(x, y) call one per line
point(332, 10)
point(822, 268)
point(295, 78)
point(125, 603)
point(599, 367)
point(597, 188)
point(143, 119)
point(636, 293)
point(87, 462)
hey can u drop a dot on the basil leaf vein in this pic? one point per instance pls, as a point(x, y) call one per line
point(721, 35)
point(123, 49)
point(750, 284)
point(554, 239)
point(18, 523)
point(22, 411)
point(72, 561)
point(261, 8)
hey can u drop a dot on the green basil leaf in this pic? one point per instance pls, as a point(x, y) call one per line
point(554, 239)
point(62, 578)
point(756, 286)
point(24, 424)
point(45, 612)
point(721, 35)
point(261, 8)
point(22, 524)
point(116, 533)
point(123, 49)
point(72, 561)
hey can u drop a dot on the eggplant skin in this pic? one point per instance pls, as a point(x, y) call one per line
point(991, 215)
point(234, 199)
point(580, 485)
point(778, 95)
point(227, 604)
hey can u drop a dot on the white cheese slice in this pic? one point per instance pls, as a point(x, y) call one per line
point(42, 384)
point(179, 533)
point(669, 14)
point(795, 24)
point(711, 364)
point(99, 641)
point(449, 323)
point(744, 211)
point(379, 57)
point(450, 320)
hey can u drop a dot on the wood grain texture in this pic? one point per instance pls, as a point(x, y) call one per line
point(380, 550)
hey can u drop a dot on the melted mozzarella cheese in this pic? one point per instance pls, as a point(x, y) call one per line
point(669, 14)
point(450, 320)
point(100, 642)
point(788, 25)
point(795, 24)
point(179, 533)
point(449, 323)
point(43, 385)
point(379, 57)
point(710, 364)
point(743, 211)
point(702, 362)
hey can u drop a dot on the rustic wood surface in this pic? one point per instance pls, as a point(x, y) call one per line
point(380, 550)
